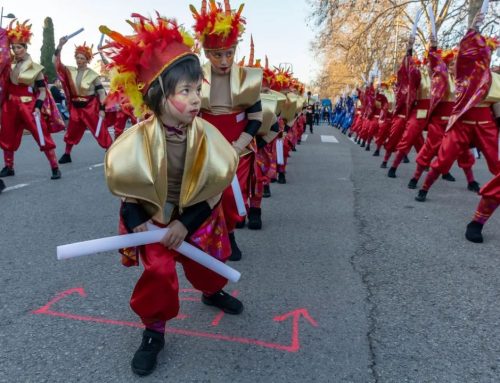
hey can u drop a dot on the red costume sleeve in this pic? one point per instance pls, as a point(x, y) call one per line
point(473, 76)
point(4, 63)
point(439, 79)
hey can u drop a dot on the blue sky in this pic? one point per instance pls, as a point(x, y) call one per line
point(278, 26)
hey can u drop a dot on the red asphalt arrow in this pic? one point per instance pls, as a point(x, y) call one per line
point(295, 315)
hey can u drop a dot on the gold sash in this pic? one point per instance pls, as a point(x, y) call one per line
point(87, 85)
point(245, 86)
point(28, 72)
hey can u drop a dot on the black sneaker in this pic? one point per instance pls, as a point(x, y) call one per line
point(413, 183)
point(254, 218)
point(144, 360)
point(473, 232)
point(421, 196)
point(56, 174)
point(65, 158)
point(235, 250)
point(294, 149)
point(376, 153)
point(448, 177)
point(281, 178)
point(7, 172)
point(2, 186)
point(383, 165)
point(267, 191)
point(406, 160)
point(473, 186)
point(240, 224)
point(392, 172)
point(363, 144)
point(367, 148)
point(273, 180)
point(224, 301)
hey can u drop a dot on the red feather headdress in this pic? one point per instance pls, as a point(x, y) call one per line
point(84, 50)
point(139, 59)
point(218, 28)
point(20, 34)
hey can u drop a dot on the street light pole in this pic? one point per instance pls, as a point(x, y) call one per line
point(7, 16)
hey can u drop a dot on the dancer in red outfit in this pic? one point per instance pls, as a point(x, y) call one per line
point(418, 100)
point(86, 97)
point(401, 110)
point(26, 102)
point(230, 97)
point(471, 121)
point(441, 106)
point(385, 96)
point(179, 168)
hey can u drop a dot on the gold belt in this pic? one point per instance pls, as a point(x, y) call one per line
point(401, 115)
point(467, 122)
point(24, 99)
point(80, 99)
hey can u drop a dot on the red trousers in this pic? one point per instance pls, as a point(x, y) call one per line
point(384, 130)
point(477, 127)
point(228, 203)
point(118, 120)
point(259, 177)
point(156, 294)
point(412, 135)
point(356, 125)
point(273, 166)
point(86, 118)
point(492, 189)
point(396, 132)
point(372, 129)
point(17, 116)
point(435, 134)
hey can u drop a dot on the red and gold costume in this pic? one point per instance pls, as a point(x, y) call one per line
point(230, 101)
point(170, 173)
point(23, 89)
point(401, 110)
point(385, 97)
point(440, 108)
point(81, 88)
point(471, 120)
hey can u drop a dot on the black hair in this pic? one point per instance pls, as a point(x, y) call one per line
point(24, 45)
point(187, 68)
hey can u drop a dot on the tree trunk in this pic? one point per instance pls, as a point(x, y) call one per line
point(474, 7)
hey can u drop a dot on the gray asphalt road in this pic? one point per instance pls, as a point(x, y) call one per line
point(350, 280)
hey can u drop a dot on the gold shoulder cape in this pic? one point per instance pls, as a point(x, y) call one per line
point(29, 72)
point(288, 107)
point(136, 165)
point(245, 86)
point(88, 79)
point(270, 109)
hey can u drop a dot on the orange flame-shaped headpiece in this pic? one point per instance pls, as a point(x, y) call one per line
point(20, 33)
point(84, 50)
point(139, 59)
point(218, 28)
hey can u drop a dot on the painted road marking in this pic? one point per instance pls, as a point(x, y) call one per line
point(295, 316)
point(304, 137)
point(96, 166)
point(330, 139)
point(19, 186)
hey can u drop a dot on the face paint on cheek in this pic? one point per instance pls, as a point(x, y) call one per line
point(179, 105)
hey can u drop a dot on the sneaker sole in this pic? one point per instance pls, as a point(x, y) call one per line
point(230, 312)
